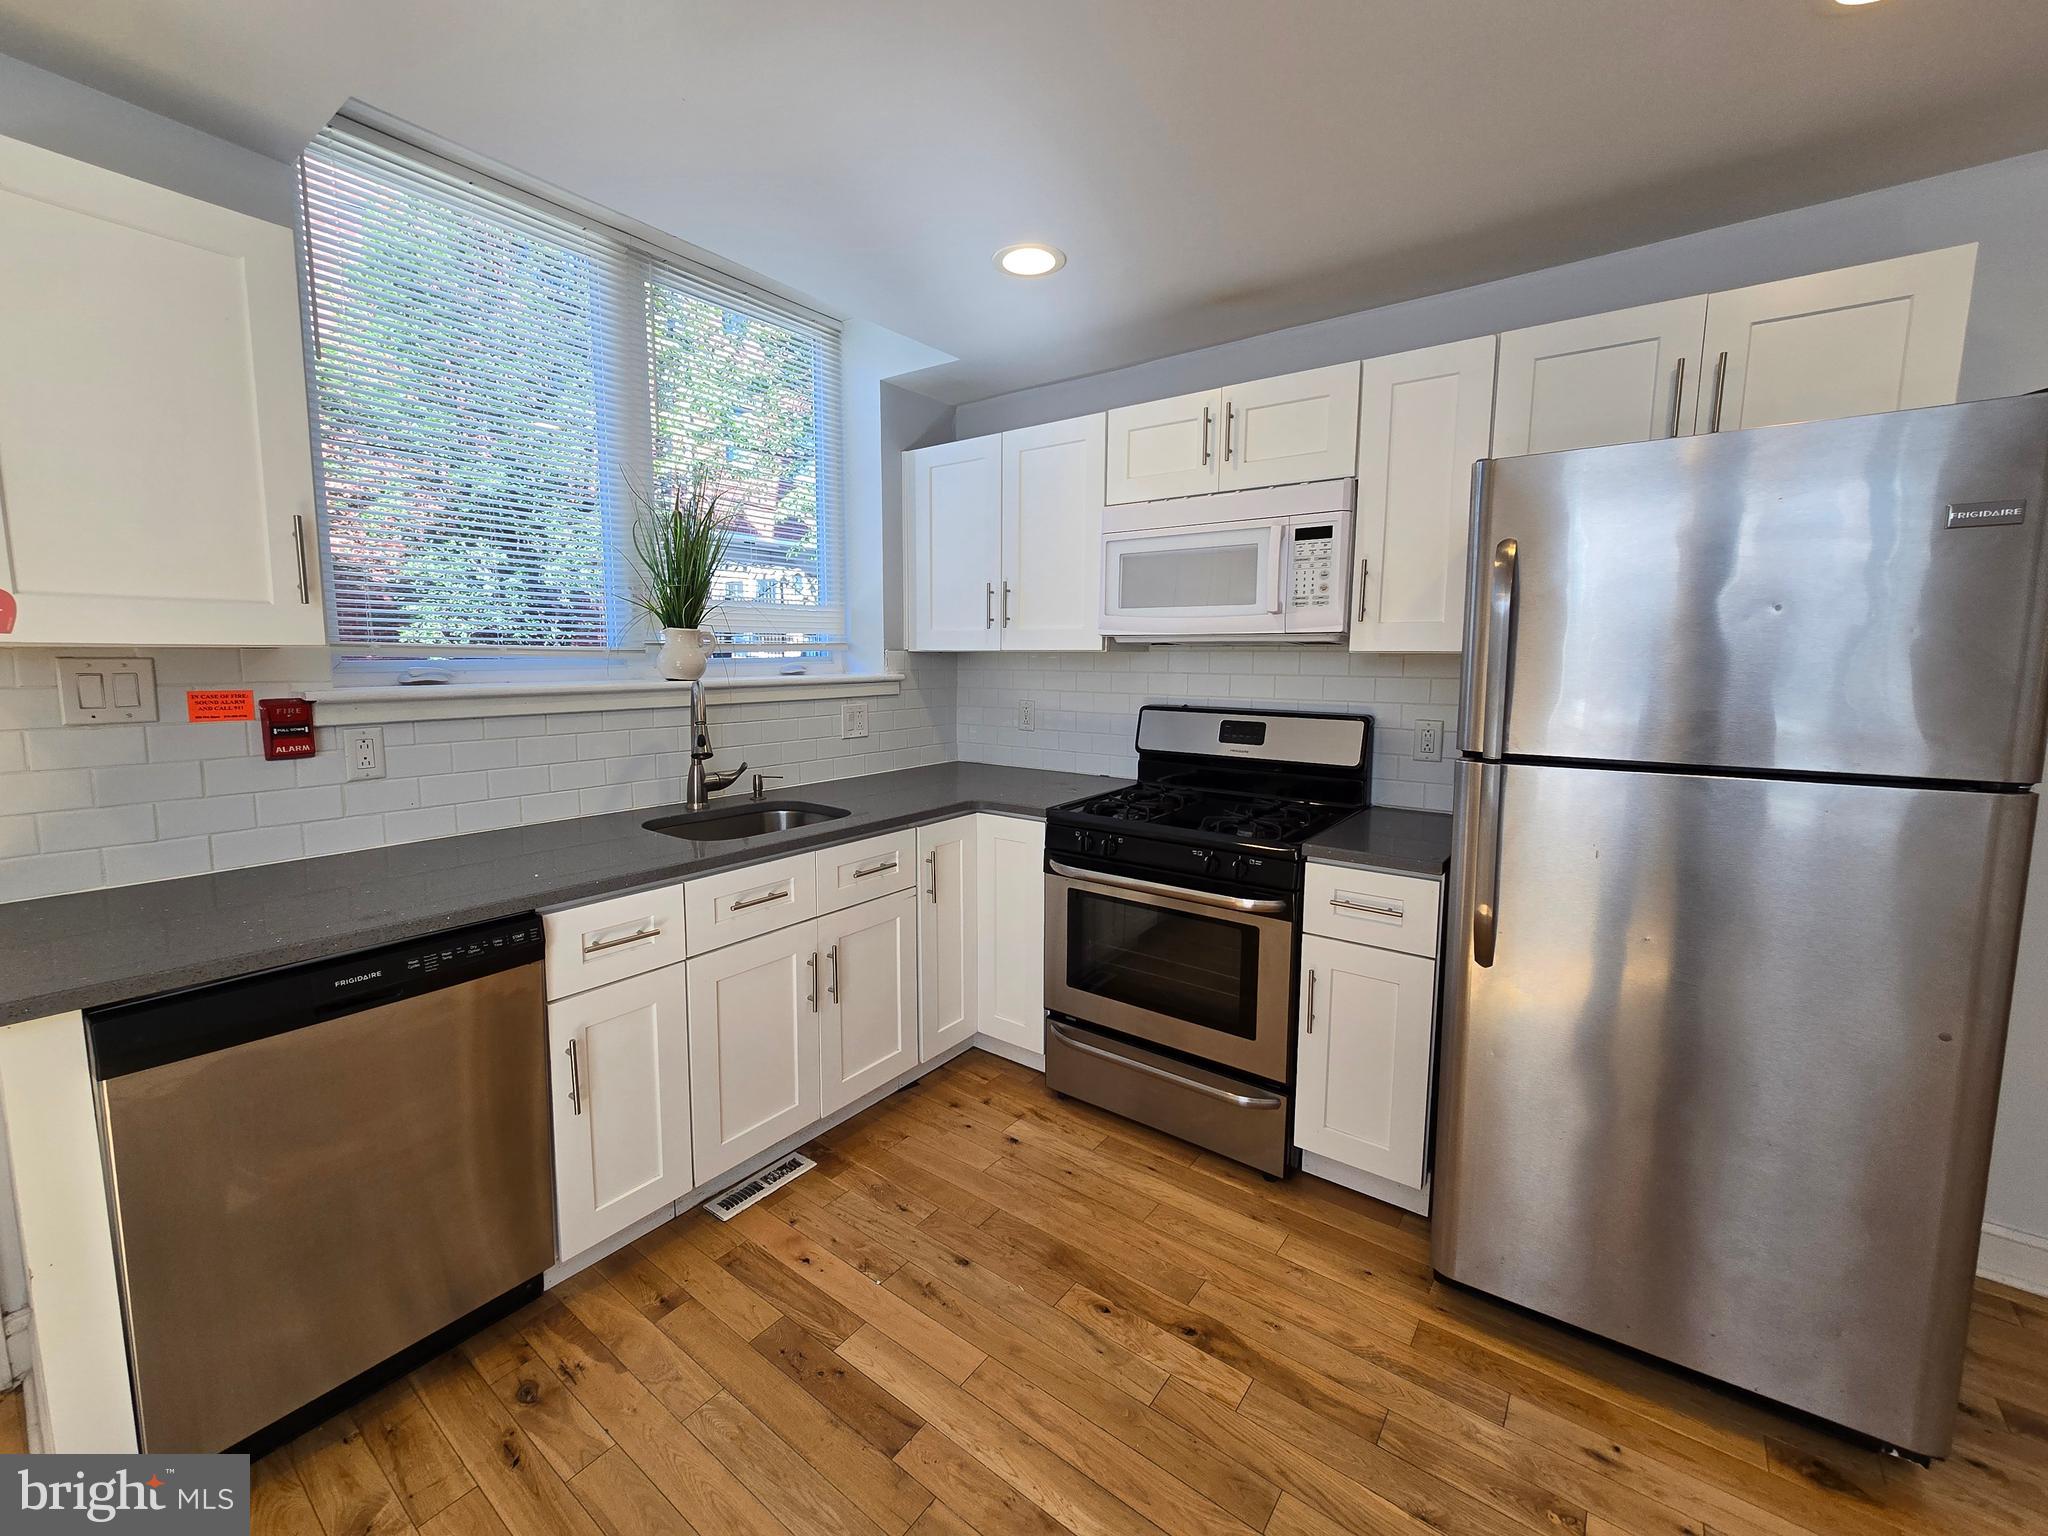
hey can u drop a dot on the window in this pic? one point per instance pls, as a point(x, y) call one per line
point(497, 385)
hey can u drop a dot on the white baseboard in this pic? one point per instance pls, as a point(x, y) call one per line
point(2014, 1258)
point(1035, 1060)
point(1386, 1190)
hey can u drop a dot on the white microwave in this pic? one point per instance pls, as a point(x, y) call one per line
point(1270, 564)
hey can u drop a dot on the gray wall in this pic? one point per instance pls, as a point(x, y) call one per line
point(2003, 206)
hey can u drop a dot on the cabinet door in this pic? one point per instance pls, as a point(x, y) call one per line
point(1883, 337)
point(1052, 537)
point(1010, 925)
point(945, 935)
point(868, 1023)
point(1300, 426)
point(1624, 377)
point(620, 1088)
point(753, 1046)
point(1163, 448)
point(1423, 419)
point(953, 504)
point(1362, 1077)
point(156, 472)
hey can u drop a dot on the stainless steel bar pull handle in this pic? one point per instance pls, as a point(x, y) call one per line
point(1364, 569)
point(1229, 429)
point(1720, 389)
point(1500, 625)
point(759, 901)
point(1311, 1002)
point(575, 1082)
point(812, 996)
point(299, 550)
point(1205, 435)
point(931, 862)
point(832, 983)
point(881, 867)
point(989, 607)
point(1677, 394)
point(1375, 908)
point(1006, 605)
point(1486, 874)
point(599, 946)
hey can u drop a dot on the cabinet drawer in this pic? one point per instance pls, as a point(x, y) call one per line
point(607, 940)
point(874, 866)
point(1367, 907)
point(739, 903)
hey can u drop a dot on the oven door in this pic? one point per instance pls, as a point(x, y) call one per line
point(1212, 580)
point(1210, 976)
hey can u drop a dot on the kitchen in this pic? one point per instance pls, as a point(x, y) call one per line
point(1176, 593)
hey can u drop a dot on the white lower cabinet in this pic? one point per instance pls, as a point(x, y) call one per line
point(754, 1031)
point(1010, 922)
point(947, 963)
point(619, 1084)
point(868, 1018)
point(1363, 1072)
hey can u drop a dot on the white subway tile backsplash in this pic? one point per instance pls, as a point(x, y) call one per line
point(216, 813)
point(17, 836)
point(371, 796)
point(412, 826)
point(467, 755)
point(416, 761)
point(164, 860)
point(486, 815)
point(85, 746)
point(259, 845)
point(345, 834)
point(281, 807)
point(50, 874)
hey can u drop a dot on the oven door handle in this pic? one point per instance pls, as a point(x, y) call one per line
point(1241, 1100)
point(1253, 904)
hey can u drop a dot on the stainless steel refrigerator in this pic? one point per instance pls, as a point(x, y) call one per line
point(1750, 727)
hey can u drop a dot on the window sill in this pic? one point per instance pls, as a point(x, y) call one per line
point(467, 701)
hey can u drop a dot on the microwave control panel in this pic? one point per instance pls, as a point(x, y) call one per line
point(1315, 564)
point(1314, 584)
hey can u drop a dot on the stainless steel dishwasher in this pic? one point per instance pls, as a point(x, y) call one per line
point(323, 1170)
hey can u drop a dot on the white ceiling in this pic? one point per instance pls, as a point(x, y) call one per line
point(1214, 168)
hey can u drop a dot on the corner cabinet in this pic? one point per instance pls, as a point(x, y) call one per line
point(619, 1082)
point(193, 523)
point(1010, 923)
point(1423, 421)
point(1006, 540)
point(946, 948)
point(1367, 1030)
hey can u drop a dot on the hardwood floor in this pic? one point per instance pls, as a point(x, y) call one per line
point(13, 1423)
point(991, 1311)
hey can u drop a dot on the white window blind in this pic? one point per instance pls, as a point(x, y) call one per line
point(494, 378)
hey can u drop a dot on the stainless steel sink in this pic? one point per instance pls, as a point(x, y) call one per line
point(723, 824)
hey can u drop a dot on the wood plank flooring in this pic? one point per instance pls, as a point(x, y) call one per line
point(991, 1312)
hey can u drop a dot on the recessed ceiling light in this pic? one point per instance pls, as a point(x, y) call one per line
point(1855, 2)
point(1030, 259)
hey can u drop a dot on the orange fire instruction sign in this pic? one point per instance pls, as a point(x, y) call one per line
point(202, 704)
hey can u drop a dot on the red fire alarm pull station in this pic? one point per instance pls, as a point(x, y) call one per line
point(287, 727)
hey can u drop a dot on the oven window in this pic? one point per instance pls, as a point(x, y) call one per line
point(1216, 576)
point(1201, 970)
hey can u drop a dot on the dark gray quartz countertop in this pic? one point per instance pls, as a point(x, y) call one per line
point(1386, 837)
point(98, 947)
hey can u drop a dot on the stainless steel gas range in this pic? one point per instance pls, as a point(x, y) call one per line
point(1173, 922)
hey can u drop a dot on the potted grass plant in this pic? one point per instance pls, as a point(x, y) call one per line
point(679, 546)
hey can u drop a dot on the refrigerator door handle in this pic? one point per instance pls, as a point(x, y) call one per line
point(1486, 877)
point(1500, 625)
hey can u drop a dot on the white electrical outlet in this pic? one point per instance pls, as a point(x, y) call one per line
point(1429, 741)
point(1027, 714)
point(853, 720)
point(362, 750)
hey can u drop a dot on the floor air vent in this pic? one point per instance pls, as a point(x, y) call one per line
point(743, 1194)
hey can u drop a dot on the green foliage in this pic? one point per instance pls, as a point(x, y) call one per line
point(680, 548)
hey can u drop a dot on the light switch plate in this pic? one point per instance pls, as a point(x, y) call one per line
point(853, 720)
point(99, 690)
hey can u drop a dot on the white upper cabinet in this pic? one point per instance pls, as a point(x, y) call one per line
point(1883, 337)
point(953, 504)
point(1052, 537)
point(620, 1090)
point(1622, 377)
point(1163, 448)
point(156, 472)
point(1423, 419)
point(1299, 427)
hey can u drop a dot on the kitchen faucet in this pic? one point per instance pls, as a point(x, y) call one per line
point(700, 785)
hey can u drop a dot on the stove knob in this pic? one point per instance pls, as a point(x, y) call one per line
point(1112, 844)
point(1206, 857)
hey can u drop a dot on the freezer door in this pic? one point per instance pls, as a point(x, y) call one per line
point(1724, 1092)
point(1855, 598)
